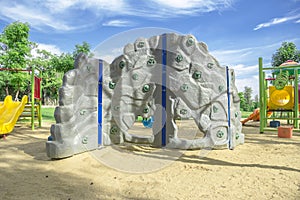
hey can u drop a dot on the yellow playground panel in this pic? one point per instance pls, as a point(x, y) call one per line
point(281, 99)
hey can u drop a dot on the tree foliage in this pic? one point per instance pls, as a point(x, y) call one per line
point(15, 53)
point(287, 51)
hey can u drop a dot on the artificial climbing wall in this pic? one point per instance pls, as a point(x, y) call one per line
point(167, 77)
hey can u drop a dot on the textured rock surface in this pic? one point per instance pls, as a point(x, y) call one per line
point(195, 85)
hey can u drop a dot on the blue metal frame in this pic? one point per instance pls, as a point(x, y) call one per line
point(228, 114)
point(100, 78)
point(163, 88)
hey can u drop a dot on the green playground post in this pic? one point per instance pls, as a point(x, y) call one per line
point(296, 106)
point(262, 101)
point(32, 97)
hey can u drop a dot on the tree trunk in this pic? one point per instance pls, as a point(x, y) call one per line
point(17, 94)
point(6, 90)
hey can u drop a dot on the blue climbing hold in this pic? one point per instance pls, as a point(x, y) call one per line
point(50, 138)
point(148, 122)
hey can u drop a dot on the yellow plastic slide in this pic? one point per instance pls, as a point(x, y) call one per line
point(9, 113)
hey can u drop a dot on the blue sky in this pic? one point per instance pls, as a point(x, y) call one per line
point(237, 32)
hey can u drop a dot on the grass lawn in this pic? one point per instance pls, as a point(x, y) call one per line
point(48, 114)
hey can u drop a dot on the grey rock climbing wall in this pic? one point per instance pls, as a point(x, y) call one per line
point(193, 85)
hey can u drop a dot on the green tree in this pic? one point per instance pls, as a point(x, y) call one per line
point(82, 48)
point(65, 61)
point(242, 101)
point(51, 79)
point(16, 55)
point(247, 96)
point(287, 51)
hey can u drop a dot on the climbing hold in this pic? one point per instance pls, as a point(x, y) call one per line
point(141, 44)
point(146, 110)
point(221, 88)
point(135, 77)
point(179, 58)
point(85, 140)
point(112, 85)
point(190, 41)
point(184, 87)
point(116, 107)
point(114, 130)
point(236, 114)
point(151, 61)
point(215, 109)
point(146, 88)
point(50, 138)
point(237, 136)
point(88, 67)
point(148, 122)
point(196, 75)
point(209, 65)
point(183, 111)
point(122, 64)
point(220, 134)
point(82, 112)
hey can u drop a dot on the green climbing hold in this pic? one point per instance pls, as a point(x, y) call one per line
point(85, 140)
point(209, 65)
point(184, 87)
point(141, 44)
point(146, 88)
point(183, 111)
point(112, 85)
point(88, 67)
point(236, 114)
point(237, 136)
point(82, 112)
point(215, 109)
point(135, 77)
point(114, 130)
point(116, 107)
point(220, 134)
point(122, 64)
point(146, 110)
point(196, 75)
point(151, 61)
point(221, 88)
point(179, 58)
point(190, 41)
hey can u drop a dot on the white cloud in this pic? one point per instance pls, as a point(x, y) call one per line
point(276, 21)
point(71, 15)
point(51, 48)
point(118, 23)
point(252, 81)
point(48, 47)
point(193, 6)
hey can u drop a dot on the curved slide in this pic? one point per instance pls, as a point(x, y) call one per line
point(9, 113)
point(254, 116)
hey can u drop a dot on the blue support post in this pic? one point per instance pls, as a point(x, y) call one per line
point(100, 102)
point(228, 97)
point(163, 88)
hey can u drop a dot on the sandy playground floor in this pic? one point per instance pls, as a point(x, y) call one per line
point(265, 167)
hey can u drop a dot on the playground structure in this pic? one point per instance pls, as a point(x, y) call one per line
point(166, 77)
point(11, 111)
point(282, 96)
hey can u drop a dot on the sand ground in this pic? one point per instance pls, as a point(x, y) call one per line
point(265, 167)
